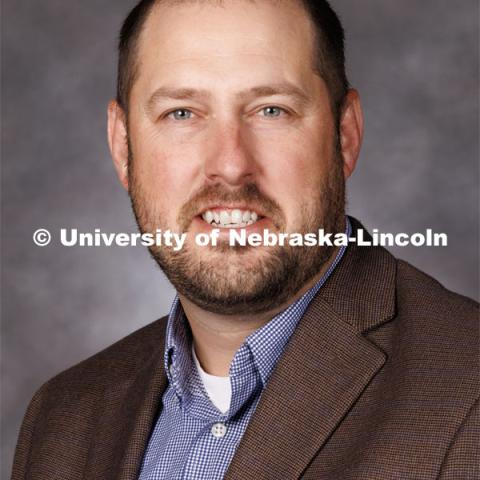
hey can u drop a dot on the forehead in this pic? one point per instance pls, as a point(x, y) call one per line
point(236, 39)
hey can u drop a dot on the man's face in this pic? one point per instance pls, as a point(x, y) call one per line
point(228, 123)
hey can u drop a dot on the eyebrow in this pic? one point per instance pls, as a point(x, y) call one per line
point(175, 94)
point(284, 88)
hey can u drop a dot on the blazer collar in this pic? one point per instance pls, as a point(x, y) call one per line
point(362, 287)
point(324, 369)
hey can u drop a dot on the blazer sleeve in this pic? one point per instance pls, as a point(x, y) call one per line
point(25, 439)
point(462, 460)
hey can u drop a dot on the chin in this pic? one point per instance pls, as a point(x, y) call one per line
point(234, 283)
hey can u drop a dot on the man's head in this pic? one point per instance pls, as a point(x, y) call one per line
point(238, 106)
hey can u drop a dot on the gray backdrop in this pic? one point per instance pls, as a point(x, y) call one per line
point(416, 66)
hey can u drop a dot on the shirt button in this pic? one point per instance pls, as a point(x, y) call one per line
point(219, 430)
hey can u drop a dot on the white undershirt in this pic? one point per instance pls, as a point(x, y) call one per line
point(219, 389)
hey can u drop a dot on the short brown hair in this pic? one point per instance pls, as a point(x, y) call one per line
point(330, 51)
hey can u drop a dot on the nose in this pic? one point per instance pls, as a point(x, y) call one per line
point(230, 159)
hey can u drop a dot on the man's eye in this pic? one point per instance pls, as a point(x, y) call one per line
point(272, 112)
point(181, 114)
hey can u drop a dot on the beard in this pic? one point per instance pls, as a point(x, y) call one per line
point(239, 280)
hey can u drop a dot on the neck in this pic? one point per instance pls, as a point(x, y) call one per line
point(217, 337)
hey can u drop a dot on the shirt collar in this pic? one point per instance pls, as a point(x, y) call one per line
point(264, 345)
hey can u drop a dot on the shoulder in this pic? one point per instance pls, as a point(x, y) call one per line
point(435, 322)
point(418, 292)
point(115, 364)
point(69, 405)
point(434, 337)
point(431, 347)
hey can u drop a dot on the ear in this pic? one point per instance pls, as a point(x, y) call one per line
point(117, 141)
point(351, 131)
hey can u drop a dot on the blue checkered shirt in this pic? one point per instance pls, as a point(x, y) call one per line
point(192, 439)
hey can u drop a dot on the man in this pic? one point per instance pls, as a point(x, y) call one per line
point(274, 362)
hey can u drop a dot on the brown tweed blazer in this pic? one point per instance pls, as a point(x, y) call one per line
point(378, 382)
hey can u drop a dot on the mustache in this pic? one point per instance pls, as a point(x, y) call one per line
point(248, 194)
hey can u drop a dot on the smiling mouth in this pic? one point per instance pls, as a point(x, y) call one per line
point(230, 218)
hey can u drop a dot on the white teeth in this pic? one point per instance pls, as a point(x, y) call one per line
point(208, 216)
point(233, 218)
point(236, 216)
point(225, 217)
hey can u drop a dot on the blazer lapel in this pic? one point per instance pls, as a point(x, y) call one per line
point(324, 369)
point(321, 374)
point(125, 419)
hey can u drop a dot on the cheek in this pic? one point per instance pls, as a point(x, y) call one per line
point(294, 168)
point(165, 175)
